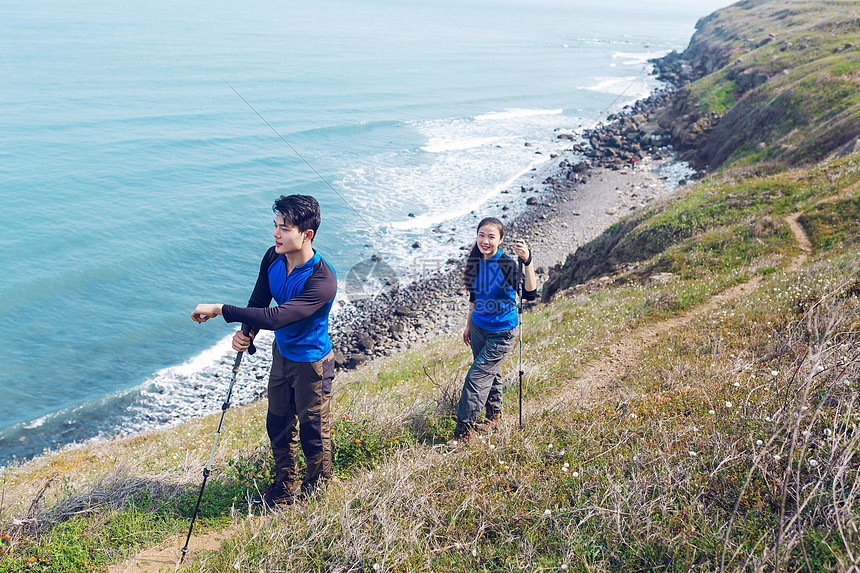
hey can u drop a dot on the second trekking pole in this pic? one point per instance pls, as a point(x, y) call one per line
point(208, 468)
point(520, 280)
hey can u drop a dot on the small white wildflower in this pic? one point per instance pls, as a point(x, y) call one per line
point(547, 512)
point(564, 566)
point(501, 462)
point(458, 545)
point(767, 419)
point(728, 404)
point(474, 552)
point(566, 464)
point(492, 447)
point(711, 412)
point(376, 566)
point(813, 463)
point(561, 453)
point(737, 384)
point(804, 408)
point(828, 432)
point(564, 469)
point(774, 373)
point(634, 415)
point(549, 447)
point(759, 443)
point(777, 457)
point(692, 453)
point(575, 474)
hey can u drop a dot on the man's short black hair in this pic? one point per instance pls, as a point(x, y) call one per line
point(300, 211)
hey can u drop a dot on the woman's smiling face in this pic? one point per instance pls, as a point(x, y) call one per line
point(489, 239)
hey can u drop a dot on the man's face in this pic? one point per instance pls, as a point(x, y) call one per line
point(288, 239)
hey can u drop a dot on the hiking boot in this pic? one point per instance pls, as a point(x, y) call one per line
point(493, 418)
point(279, 493)
point(462, 433)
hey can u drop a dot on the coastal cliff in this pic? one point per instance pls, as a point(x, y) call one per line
point(763, 85)
point(766, 81)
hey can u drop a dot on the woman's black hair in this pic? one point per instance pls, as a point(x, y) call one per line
point(473, 260)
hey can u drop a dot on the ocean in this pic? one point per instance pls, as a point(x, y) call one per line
point(142, 146)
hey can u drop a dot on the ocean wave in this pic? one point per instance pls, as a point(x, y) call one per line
point(516, 113)
point(443, 144)
point(37, 423)
point(634, 87)
point(636, 58)
point(434, 218)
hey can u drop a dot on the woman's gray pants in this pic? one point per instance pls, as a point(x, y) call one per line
point(483, 386)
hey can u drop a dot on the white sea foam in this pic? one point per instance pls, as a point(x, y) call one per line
point(196, 363)
point(463, 164)
point(635, 58)
point(434, 218)
point(33, 424)
point(633, 87)
point(442, 144)
point(517, 113)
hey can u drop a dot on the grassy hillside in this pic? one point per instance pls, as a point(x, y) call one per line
point(729, 438)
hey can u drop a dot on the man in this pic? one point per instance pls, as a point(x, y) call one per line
point(303, 285)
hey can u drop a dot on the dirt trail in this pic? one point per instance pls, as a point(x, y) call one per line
point(624, 354)
point(165, 556)
point(600, 374)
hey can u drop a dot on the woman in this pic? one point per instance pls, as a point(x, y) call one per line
point(492, 277)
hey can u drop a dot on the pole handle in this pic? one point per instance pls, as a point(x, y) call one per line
point(246, 330)
point(520, 280)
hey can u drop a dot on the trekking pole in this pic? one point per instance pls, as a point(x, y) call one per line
point(520, 281)
point(245, 330)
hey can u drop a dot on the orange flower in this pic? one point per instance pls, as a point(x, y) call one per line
point(397, 442)
point(7, 537)
point(332, 431)
point(32, 559)
point(357, 441)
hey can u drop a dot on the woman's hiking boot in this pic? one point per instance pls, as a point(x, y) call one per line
point(462, 434)
point(493, 418)
point(279, 493)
